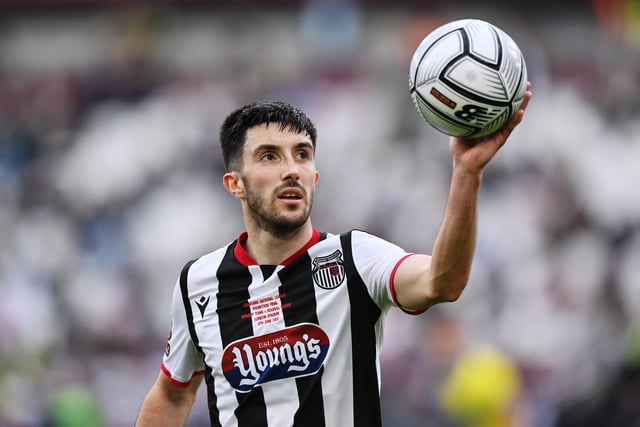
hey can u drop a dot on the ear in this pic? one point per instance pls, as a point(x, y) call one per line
point(234, 185)
point(317, 178)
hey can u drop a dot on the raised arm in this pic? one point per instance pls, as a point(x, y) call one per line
point(167, 405)
point(423, 280)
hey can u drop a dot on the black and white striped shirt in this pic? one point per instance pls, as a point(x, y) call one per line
point(296, 344)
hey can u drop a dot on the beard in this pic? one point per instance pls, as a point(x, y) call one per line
point(268, 217)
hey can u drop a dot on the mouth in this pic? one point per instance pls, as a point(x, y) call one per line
point(290, 194)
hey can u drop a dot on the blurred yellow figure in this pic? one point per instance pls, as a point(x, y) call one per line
point(481, 389)
point(74, 406)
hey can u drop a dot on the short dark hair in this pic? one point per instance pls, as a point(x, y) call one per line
point(234, 128)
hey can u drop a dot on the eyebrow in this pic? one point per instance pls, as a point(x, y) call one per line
point(304, 145)
point(276, 147)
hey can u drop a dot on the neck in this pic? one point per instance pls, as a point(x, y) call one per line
point(269, 249)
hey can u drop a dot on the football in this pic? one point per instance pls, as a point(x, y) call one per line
point(467, 78)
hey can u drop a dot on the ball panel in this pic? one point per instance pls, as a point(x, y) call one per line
point(484, 83)
point(518, 96)
point(498, 122)
point(514, 70)
point(440, 52)
point(484, 42)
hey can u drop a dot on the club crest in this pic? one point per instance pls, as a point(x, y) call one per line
point(328, 271)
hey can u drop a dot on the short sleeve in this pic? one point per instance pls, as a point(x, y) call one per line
point(182, 360)
point(376, 261)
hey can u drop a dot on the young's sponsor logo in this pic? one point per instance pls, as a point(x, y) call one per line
point(296, 351)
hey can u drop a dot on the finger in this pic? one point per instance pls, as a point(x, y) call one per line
point(518, 116)
point(527, 97)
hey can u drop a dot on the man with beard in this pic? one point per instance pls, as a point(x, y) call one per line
point(285, 322)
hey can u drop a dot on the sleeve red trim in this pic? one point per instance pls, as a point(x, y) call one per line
point(177, 383)
point(393, 291)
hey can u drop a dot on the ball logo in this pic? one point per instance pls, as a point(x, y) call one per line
point(328, 271)
point(472, 113)
point(296, 351)
point(440, 97)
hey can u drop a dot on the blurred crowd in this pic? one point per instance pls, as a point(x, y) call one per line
point(110, 180)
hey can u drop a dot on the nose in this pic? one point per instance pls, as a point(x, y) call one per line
point(290, 170)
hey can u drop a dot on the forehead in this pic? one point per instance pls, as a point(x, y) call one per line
point(274, 134)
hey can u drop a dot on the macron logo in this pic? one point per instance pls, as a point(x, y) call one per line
point(202, 304)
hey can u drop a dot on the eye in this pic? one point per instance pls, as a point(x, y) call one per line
point(267, 157)
point(303, 155)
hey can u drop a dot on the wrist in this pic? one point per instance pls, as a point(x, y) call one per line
point(461, 171)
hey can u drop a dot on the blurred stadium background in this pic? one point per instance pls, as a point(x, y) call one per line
point(110, 182)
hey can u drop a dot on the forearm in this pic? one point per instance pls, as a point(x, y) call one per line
point(159, 410)
point(422, 280)
point(454, 247)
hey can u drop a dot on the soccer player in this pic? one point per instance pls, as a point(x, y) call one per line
point(285, 322)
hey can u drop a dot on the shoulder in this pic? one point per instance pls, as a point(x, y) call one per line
point(345, 237)
point(349, 234)
point(363, 242)
point(357, 240)
point(358, 236)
